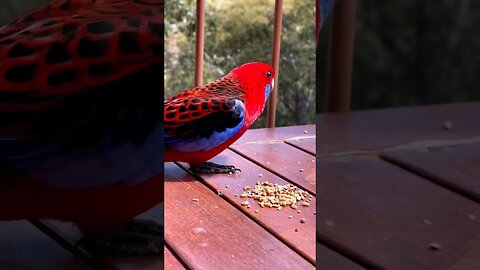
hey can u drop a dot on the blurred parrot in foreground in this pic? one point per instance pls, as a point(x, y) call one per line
point(81, 120)
point(203, 121)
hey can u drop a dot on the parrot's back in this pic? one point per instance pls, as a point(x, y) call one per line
point(80, 92)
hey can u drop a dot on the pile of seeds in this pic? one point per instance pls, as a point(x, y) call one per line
point(276, 196)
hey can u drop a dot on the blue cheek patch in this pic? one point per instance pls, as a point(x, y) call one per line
point(268, 88)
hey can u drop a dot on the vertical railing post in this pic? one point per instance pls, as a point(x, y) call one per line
point(340, 56)
point(277, 33)
point(199, 42)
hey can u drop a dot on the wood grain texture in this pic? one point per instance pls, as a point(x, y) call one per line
point(70, 235)
point(23, 246)
point(285, 160)
point(171, 262)
point(209, 233)
point(307, 143)
point(330, 260)
point(278, 222)
point(279, 134)
point(378, 129)
point(456, 167)
point(388, 217)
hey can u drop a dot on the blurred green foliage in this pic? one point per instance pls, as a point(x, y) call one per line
point(411, 52)
point(240, 32)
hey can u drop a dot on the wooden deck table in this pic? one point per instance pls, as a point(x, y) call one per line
point(394, 189)
point(215, 231)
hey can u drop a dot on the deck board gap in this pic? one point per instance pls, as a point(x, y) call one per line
point(432, 179)
point(270, 170)
point(299, 148)
point(348, 254)
point(65, 243)
point(239, 208)
point(176, 255)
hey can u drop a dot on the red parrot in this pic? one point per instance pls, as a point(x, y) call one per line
point(203, 121)
point(81, 124)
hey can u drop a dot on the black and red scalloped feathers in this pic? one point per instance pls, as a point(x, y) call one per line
point(209, 105)
point(72, 45)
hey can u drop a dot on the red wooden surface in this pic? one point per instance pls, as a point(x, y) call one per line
point(171, 262)
point(329, 260)
point(289, 162)
point(378, 213)
point(390, 185)
point(71, 235)
point(272, 134)
point(307, 143)
point(457, 167)
point(206, 233)
point(211, 234)
point(23, 246)
point(278, 222)
point(354, 132)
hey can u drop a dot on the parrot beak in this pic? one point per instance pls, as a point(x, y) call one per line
point(273, 84)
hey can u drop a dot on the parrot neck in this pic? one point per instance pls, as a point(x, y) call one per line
point(254, 99)
point(254, 109)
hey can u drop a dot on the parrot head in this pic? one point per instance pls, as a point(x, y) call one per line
point(257, 81)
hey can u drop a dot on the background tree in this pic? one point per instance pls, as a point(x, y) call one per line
point(236, 34)
point(412, 52)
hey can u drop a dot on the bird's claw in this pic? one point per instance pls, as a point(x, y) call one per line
point(210, 167)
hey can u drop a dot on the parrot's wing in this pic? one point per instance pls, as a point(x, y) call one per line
point(73, 50)
point(51, 55)
point(200, 124)
point(64, 8)
point(79, 77)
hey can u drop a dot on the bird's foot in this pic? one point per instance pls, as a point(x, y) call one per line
point(136, 238)
point(210, 167)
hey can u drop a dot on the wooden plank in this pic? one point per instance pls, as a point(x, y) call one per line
point(136, 199)
point(171, 262)
point(387, 217)
point(211, 234)
point(457, 167)
point(378, 129)
point(330, 260)
point(283, 159)
point(279, 133)
point(278, 222)
point(307, 144)
point(22, 246)
point(71, 235)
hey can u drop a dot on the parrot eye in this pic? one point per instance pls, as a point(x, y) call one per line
point(269, 74)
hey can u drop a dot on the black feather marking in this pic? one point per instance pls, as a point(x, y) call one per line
point(100, 27)
point(69, 30)
point(20, 74)
point(62, 77)
point(135, 23)
point(92, 49)
point(128, 43)
point(20, 50)
point(100, 69)
point(156, 29)
point(58, 53)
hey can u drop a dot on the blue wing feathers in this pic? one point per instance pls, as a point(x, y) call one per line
point(208, 132)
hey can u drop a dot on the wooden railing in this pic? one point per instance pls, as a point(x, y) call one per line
point(340, 54)
point(277, 29)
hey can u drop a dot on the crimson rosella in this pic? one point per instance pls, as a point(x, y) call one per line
point(203, 121)
point(81, 132)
